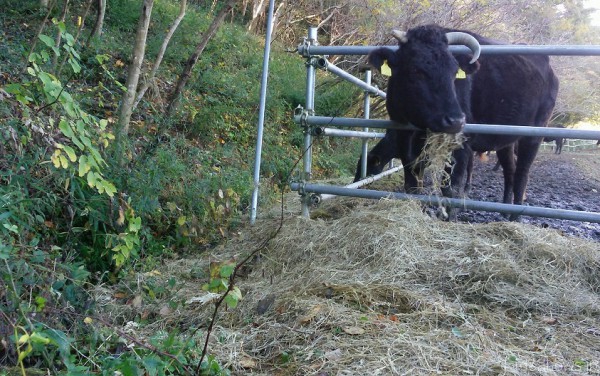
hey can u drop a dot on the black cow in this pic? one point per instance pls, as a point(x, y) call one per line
point(427, 89)
point(559, 141)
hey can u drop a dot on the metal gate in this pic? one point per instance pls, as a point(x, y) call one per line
point(319, 126)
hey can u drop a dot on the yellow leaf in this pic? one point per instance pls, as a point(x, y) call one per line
point(353, 330)
point(181, 220)
point(23, 339)
point(121, 219)
point(63, 161)
point(55, 158)
point(88, 320)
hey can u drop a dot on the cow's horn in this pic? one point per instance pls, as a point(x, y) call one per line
point(457, 37)
point(400, 35)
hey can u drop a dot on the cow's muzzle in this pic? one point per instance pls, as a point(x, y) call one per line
point(450, 124)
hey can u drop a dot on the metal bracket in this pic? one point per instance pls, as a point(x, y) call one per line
point(301, 117)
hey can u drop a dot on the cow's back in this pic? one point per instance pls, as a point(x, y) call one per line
point(511, 90)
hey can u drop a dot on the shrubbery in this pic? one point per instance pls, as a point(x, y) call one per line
point(71, 217)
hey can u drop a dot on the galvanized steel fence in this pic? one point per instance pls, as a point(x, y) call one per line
point(319, 126)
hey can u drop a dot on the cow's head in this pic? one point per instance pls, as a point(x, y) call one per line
point(421, 88)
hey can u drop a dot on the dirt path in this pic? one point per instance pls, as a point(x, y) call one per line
point(570, 180)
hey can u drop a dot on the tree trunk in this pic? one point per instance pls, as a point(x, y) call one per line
point(133, 75)
point(189, 65)
point(161, 54)
point(44, 4)
point(97, 32)
point(258, 9)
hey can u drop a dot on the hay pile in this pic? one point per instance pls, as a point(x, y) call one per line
point(379, 288)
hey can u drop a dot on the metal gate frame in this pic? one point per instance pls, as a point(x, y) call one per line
point(316, 58)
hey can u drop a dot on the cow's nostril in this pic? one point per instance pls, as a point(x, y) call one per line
point(454, 122)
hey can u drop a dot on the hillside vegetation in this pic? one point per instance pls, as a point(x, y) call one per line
point(93, 219)
point(74, 214)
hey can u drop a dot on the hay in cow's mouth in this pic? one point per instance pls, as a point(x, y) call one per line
point(379, 287)
point(437, 156)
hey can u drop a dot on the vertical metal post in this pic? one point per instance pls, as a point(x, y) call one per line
point(310, 109)
point(261, 113)
point(365, 143)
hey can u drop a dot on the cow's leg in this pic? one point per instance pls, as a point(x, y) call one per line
point(528, 148)
point(506, 157)
point(409, 149)
point(469, 175)
point(559, 145)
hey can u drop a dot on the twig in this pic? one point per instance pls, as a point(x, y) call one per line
point(34, 42)
point(237, 268)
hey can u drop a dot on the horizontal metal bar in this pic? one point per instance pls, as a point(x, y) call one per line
point(363, 182)
point(326, 65)
point(346, 133)
point(532, 211)
point(560, 50)
point(517, 130)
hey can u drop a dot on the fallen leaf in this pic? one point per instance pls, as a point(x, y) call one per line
point(333, 355)
point(165, 311)
point(137, 301)
point(248, 363)
point(550, 320)
point(207, 298)
point(310, 315)
point(353, 330)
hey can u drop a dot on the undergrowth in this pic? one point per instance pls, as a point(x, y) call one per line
point(73, 221)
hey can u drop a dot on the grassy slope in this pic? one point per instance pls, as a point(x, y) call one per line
point(188, 177)
point(208, 145)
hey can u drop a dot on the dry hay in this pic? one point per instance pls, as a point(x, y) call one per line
point(380, 288)
point(437, 155)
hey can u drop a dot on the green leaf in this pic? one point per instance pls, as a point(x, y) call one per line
point(227, 270)
point(14, 88)
point(11, 228)
point(65, 128)
point(68, 38)
point(48, 41)
point(102, 58)
point(61, 26)
point(135, 224)
point(74, 65)
point(84, 166)
point(91, 179)
point(231, 301)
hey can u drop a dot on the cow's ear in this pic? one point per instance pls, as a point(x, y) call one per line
point(465, 65)
point(379, 56)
